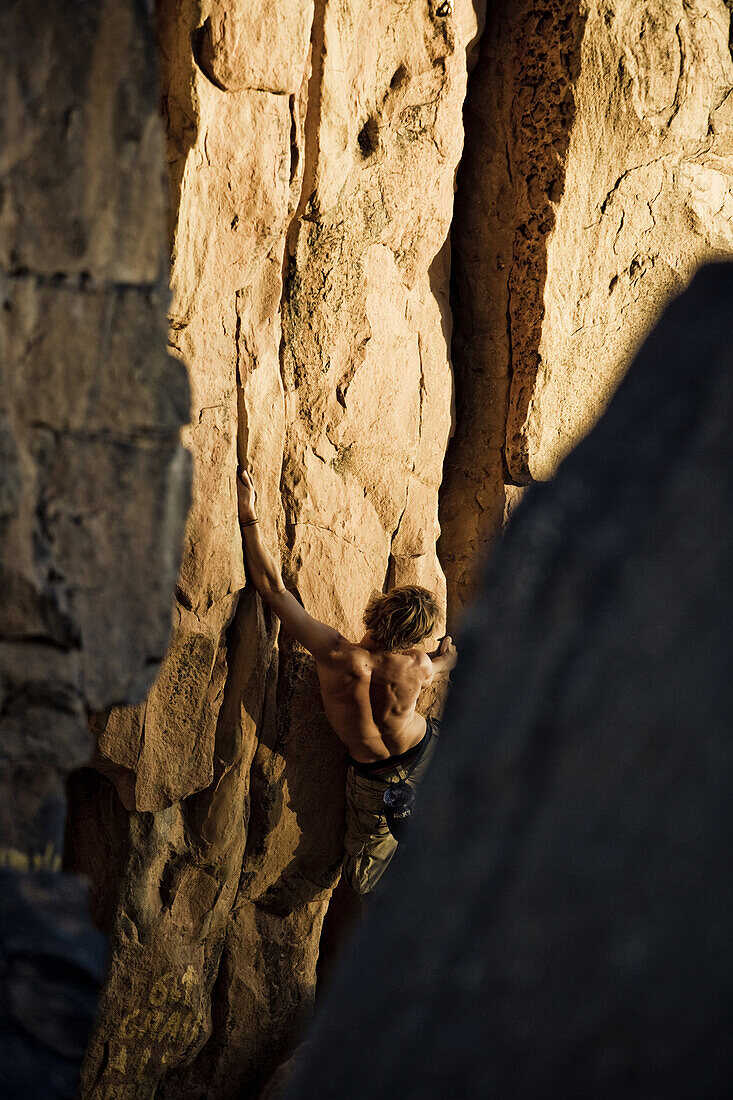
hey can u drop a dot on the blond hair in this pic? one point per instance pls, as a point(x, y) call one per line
point(401, 617)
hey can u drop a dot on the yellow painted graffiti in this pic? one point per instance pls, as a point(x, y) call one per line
point(152, 1035)
point(13, 859)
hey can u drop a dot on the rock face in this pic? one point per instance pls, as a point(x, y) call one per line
point(569, 933)
point(52, 964)
point(312, 147)
point(310, 304)
point(94, 484)
point(596, 178)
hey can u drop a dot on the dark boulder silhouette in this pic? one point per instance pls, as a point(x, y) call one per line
point(51, 967)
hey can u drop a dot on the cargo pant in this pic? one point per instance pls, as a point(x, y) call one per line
point(368, 844)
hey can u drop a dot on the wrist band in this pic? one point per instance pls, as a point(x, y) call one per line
point(248, 523)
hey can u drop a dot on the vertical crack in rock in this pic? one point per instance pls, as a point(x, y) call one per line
point(422, 390)
point(242, 419)
point(545, 64)
point(311, 125)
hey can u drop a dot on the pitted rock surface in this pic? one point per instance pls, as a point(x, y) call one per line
point(595, 180)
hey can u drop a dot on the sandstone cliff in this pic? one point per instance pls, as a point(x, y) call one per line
point(596, 178)
point(93, 480)
point(312, 153)
point(312, 148)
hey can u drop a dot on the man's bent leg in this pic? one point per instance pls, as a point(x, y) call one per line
point(368, 844)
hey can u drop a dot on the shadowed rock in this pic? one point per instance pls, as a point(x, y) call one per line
point(561, 926)
point(51, 967)
point(94, 482)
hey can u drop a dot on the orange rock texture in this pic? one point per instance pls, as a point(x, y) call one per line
point(312, 148)
point(596, 178)
point(312, 151)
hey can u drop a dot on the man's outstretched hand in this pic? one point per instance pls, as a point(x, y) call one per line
point(444, 659)
point(246, 496)
point(264, 573)
point(447, 649)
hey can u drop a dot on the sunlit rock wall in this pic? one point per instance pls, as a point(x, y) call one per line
point(312, 151)
point(596, 178)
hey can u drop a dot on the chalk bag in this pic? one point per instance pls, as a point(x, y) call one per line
point(399, 800)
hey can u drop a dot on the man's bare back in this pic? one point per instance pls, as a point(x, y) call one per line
point(370, 698)
point(369, 694)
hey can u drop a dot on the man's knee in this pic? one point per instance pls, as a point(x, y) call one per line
point(353, 872)
point(363, 873)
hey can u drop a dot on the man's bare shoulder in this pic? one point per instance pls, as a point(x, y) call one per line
point(358, 661)
point(408, 663)
point(414, 658)
point(349, 657)
point(422, 663)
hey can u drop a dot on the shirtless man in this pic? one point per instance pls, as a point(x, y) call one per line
point(369, 692)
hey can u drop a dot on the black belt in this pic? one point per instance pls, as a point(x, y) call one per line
point(391, 762)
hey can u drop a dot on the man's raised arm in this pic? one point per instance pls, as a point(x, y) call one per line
point(322, 641)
